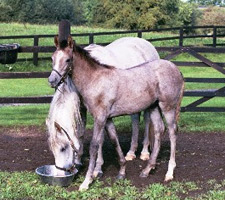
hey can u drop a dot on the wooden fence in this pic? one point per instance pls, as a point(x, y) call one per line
point(35, 49)
point(204, 95)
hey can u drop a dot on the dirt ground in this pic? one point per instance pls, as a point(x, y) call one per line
point(200, 156)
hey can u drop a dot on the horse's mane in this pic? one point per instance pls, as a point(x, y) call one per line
point(86, 55)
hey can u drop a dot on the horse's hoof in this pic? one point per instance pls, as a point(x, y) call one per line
point(83, 187)
point(145, 156)
point(120, 176)
point(143, 175)
point(130, 156)
point(168, 178)
point(98, 174)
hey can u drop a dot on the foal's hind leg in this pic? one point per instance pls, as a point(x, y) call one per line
point(114, 138)
point(158, 127)
point(134, 142)
point(170, 117)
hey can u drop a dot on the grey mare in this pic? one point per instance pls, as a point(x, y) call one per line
point(108, 92)
point(65, 128)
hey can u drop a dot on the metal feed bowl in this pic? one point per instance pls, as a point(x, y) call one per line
point(46, 175)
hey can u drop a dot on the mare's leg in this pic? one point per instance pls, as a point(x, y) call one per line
point(99, 124)
point(83, 113)
point(98, 168)
point(114, 138)
point(145, 153)
point(158, 127)
point(134, 142)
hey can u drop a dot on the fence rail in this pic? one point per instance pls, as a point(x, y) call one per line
point(173, 52)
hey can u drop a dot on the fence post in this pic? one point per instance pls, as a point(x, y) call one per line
point(181, 39)
point(64, 31)
point(214, 36)
point(91, 38)
point(139, 34)
point(35, 54)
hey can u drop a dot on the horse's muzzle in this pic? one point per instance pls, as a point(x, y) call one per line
point(53, 81)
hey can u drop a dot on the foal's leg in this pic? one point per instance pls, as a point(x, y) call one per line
point(99, 124)
point(145, 153)
point(114, 138)
point(158, 127)
point(98, 168)
point(134, 142)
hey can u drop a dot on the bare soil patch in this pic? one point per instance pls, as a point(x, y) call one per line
point(200, 156)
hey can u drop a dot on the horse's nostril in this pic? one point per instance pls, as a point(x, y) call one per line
point(51, 79)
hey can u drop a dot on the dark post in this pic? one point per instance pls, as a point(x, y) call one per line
point(64, 32)
point(181, 37)
point(35, 54)
point(140, 34)
point(91, 38)
point(214, 36)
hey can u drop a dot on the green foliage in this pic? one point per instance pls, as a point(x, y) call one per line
point(128, 14)
point(41, 11)
point(137, 14)
point(188, 14)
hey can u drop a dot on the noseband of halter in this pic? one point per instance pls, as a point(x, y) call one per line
point(64, 76)
point(75, 150)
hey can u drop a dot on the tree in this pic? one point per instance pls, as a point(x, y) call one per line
point(42, 11)
point(131, 14)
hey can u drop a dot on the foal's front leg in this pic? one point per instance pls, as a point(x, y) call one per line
point(99, 162)
point(99, 124)
point(114, 138)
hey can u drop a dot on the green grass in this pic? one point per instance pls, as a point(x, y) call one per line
point(29, 115)
point(25, 87)
point(26, 185)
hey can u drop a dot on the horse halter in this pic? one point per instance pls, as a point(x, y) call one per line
point(75, 150)
point(63, 77)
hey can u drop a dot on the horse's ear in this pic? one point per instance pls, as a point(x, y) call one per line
point(58, 127)
point(70, 42)
point(56, 41)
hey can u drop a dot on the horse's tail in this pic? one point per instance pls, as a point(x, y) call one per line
point(179, 102)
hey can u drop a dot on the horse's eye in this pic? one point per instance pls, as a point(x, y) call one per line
point(68, 60)
point(63, 148)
